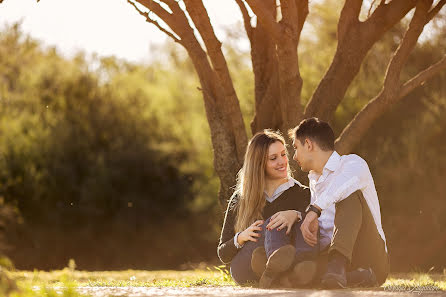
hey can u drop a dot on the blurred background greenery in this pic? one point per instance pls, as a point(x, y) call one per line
point(110, 162)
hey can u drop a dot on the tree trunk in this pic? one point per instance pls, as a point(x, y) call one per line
point(225, 152)
point(355, 39)
point(266, 82)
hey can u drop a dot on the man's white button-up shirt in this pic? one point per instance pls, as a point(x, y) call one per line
point(342, 176)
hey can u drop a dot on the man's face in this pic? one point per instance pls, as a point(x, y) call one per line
point(301, 154)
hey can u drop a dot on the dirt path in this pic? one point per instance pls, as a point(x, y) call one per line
point(245, 292)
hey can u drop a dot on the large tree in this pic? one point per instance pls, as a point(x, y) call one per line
point(273, 28)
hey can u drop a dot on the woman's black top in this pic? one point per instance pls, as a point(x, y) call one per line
point(297, 198)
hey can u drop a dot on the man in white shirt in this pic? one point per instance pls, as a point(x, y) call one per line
point(345, 207)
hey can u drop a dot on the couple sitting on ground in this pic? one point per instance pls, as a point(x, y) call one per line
point(280, 233)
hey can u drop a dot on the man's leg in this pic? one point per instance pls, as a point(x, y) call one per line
point(356, 238)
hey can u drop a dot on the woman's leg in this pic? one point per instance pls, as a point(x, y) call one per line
point(280, 255)
point(240, 267)
point(275, 239)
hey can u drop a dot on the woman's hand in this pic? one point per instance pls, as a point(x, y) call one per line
point(250, 234)
point(283, 219)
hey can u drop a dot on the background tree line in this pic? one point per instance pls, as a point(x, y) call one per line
point(110, 163)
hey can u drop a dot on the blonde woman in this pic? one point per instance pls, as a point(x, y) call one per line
point(260, 238)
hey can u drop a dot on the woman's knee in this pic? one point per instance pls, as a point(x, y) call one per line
point(242, 273)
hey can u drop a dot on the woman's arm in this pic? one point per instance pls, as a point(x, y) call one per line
point(226, 249)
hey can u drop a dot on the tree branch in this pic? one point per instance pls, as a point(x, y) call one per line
point(266, 18)
point(289, 16)
point(387, 15)
point(246, 18)
point(354, 41)
point(392, 90)
point(349, 16)
point(177, 21)
point(433, 12)
point(422, 77)
point(148, 19)
point(353, 132)
point(166, 16)
point(174, 6)
point(302, 13)
point(370, 8)
point(407, 44)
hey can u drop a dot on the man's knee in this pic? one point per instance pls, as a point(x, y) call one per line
point(381, 274)
point(353, 201)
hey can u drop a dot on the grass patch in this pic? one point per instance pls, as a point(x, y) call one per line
point(66, 289)
point(416, 283)
point(128, 278)
point(65, 281)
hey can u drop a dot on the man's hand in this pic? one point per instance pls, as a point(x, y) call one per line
point(309, 228)
point(250, 233)
point(283, 219)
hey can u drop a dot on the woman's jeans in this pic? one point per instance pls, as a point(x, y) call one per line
point(272, 240)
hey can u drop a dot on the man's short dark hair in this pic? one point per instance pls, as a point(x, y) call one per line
point(316, 130)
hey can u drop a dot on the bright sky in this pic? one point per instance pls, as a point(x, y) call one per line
point(106, 27)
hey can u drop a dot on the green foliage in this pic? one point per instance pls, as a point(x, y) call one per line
point(106, 151)
point(67, 289)
point(86, 152)
point(6, 263)
point(225, 274)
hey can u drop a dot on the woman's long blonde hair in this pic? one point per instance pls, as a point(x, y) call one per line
point(251, 179)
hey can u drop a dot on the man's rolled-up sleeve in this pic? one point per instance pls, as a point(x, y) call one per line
point(353, 176)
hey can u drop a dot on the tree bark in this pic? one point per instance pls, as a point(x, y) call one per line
point(265, 69)
point(199, 16)
point(355, 39)
point(294, 14)
point(356, 129)
point(223, 112)
point(285, 37)
point(392, 90)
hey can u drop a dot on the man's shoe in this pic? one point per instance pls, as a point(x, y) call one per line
point(279, 261)
point(361, 278)
point(258, 261)
point(285, 280)
point(335, 277)
point(303, 273)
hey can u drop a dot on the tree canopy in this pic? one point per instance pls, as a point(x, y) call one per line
point(273, 28)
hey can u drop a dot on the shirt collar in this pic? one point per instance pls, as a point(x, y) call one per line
point(332, 164)
point(282, 188)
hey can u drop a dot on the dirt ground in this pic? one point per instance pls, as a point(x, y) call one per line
point(245, 292)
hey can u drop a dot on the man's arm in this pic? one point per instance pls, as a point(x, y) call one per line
point(353, 176)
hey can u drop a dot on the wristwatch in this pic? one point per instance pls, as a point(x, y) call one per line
point(313, 208)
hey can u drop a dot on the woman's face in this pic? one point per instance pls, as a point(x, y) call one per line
point(277, 161)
